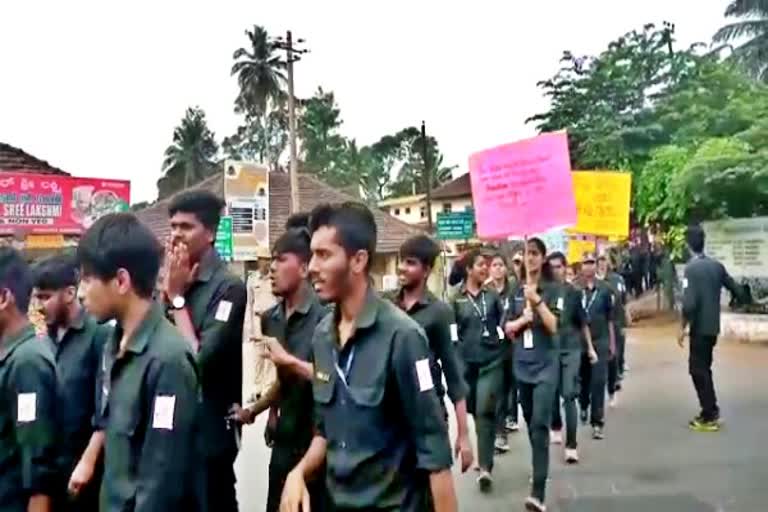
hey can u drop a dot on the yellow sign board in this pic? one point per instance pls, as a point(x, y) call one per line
point(602, 202)
point(44, 241)
point(577, 248)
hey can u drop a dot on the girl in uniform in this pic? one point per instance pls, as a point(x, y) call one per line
point(532, 325)
point(479, 312)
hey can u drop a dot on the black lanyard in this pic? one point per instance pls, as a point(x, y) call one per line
point(482, 315)
point(588, 305)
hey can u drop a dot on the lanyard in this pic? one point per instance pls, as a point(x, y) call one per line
point(344, 374)
point(484, 314)
point(588, 305)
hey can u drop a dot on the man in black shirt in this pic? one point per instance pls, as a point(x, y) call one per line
point(208, 305)
point(380, 427)
point(702, 286)
point(77, 344)
point(292, 322)
point(28, 393)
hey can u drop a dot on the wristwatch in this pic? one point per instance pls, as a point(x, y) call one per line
point(178, 302)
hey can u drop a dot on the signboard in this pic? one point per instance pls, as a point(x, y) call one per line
point(44, 241)
point(602, 201)
point(577, 248)
point(739, 244)
point(246, 192)
point(523, 188)
point(556, 240)
point(224, 245)
point(456, 225)
point(51, 204)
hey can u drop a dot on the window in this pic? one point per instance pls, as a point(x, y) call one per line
point(407, 210)
point(447, 207)
point(423, 212)
point(397, 211)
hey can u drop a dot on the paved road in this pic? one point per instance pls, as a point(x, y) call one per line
point(649, 460)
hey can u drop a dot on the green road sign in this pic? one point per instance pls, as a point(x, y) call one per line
point(456, 225)
point(224, 244)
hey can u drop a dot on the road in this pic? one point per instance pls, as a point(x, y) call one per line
point(649, 460)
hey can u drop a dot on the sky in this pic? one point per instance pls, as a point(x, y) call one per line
point(96, 88)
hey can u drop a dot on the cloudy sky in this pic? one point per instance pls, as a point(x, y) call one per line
point(96, 88)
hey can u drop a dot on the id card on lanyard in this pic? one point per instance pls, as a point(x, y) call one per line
point(588, 305)
point(344, 373)
point(483, 315)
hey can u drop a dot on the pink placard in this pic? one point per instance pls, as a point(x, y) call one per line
point(523, 188)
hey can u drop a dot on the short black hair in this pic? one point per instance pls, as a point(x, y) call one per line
point(56, 273)
point(203, 204)
point(119, 240)
point(16, 276)
point(298, 220)
point(695, 238)
point(557, 255)
point(294, 241)
point(472, 257)
point(422, 248)
point(354, 223)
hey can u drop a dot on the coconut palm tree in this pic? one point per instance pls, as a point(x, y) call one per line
point(752, 27)
point(190, 158)
point(260, 73)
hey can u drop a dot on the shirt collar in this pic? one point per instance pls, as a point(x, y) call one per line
point(425, 299)
point(309, 299)
point(138, 343)
point(78, 324)
point(365, 319)
point(209, 263)
point(20, 337)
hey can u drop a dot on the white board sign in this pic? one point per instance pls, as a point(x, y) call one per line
point(739, 244)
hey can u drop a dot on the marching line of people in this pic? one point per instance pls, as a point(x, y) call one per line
point(132, 402)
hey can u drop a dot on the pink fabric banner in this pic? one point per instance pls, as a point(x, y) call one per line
point(523, 188)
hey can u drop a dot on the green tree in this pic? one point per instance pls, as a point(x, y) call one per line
point(410, 175)
point(190, 158)
point(260, 73)
point(323, 147)
point(262, 138)
point(752, 26)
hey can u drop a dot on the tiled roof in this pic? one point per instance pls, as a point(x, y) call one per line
point(460, 187)
point(15, 160)
point(312, 192)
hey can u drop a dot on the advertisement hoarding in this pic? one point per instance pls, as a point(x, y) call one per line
point(52, 204)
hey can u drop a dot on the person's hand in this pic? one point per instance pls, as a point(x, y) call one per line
point(528, 315)
point(509, 330)
point(241, 415)
point(180, 272)
point(81, 477)
point(463, 451)
point(681, 338)
point(531, 295)
point(295, 494)
point(276, 353)
point(592, 355)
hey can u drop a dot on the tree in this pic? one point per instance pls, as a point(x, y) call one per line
point(259, 73)
point(189, 159)
point(753, 25)
point(410, 176)
point(323, 147)
point(261, 138)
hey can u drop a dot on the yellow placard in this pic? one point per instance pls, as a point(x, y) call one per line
point(44, 241)
point(577, 248)
point(602, 202)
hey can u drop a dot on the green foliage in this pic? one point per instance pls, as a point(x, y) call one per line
point(691, 128)
point(753, 26)
point(260, 73)
point(262, 138)
point(190, 158)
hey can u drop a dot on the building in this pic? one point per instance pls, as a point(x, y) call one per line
point(312, 192)
point(454, 196)
point(15, 160)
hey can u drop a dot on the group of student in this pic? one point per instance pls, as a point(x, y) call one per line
point(132, 403)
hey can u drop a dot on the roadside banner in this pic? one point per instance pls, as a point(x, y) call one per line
point(523, 188)
point(57, 204)
point(602, 201)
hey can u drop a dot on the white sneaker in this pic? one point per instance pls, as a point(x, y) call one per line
point(485, 481)
point(556, 437)
point(501, 444)
point(613, 401)
point(571, 456)
point(534, 505)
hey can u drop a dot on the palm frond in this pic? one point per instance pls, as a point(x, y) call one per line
point(743, 28)
point(742, 8)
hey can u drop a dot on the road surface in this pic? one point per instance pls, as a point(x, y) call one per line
point(649, 460)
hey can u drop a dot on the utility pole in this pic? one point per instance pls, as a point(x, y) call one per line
point(669, 30)
point(427, 174)
point(292, 54)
